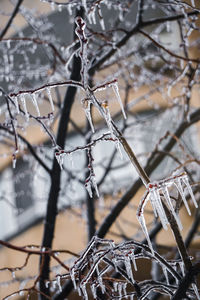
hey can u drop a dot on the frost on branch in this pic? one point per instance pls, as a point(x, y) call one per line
point(157, 193)
point(92, 272)
point(93, 267)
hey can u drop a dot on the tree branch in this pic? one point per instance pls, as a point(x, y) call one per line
point(15, 11)
point(150, 167)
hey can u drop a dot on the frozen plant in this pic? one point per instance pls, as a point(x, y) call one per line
point(99, 101)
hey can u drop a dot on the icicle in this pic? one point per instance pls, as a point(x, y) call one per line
point(128, 267)
point(89, 117)
point(181, 264)
point(84, 290)
point(59, 158)
point(34, 100)
point(8, 44)
point(115, 263)
point(69, 8)
point(177, 281)
point(14, 161)
point(180, 189)
point(196, 290)
point(186, 181)
point(165, 273)
point(22, 98)
point(115, 286)
point(94, 183)
point(59, 7)
point(50, 98)
point(70, 156)
point(108, 118)
point(133, 260)
point(116, 91)
point(52, 5)
point(154, 206)
point(72, 274)
point(16, 104)
point(47, 284)
point(94, 291)
point(169, 90)
point(84, 4)
point(92, 16)
point(102, 286)
point(168, 26)
point(167, 197)
point(192, 3)
point(124, 288)
point(102, 24)
point(145, 231)
point(118, 146)
point(158, 203)
point(13, 275)
point(79, 291)
point(59, 284)
point(89, 188)
point(120, 289)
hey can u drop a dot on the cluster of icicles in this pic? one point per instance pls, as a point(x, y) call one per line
point(92, 9)
point(102, 251)
point(90, 273)
point(158, 192)
point(22, 98)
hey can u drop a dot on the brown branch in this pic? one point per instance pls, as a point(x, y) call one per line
point(135, 30)
point(167, 50)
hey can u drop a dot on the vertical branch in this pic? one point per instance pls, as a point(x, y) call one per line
point(51, 212)
point(90, 201)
